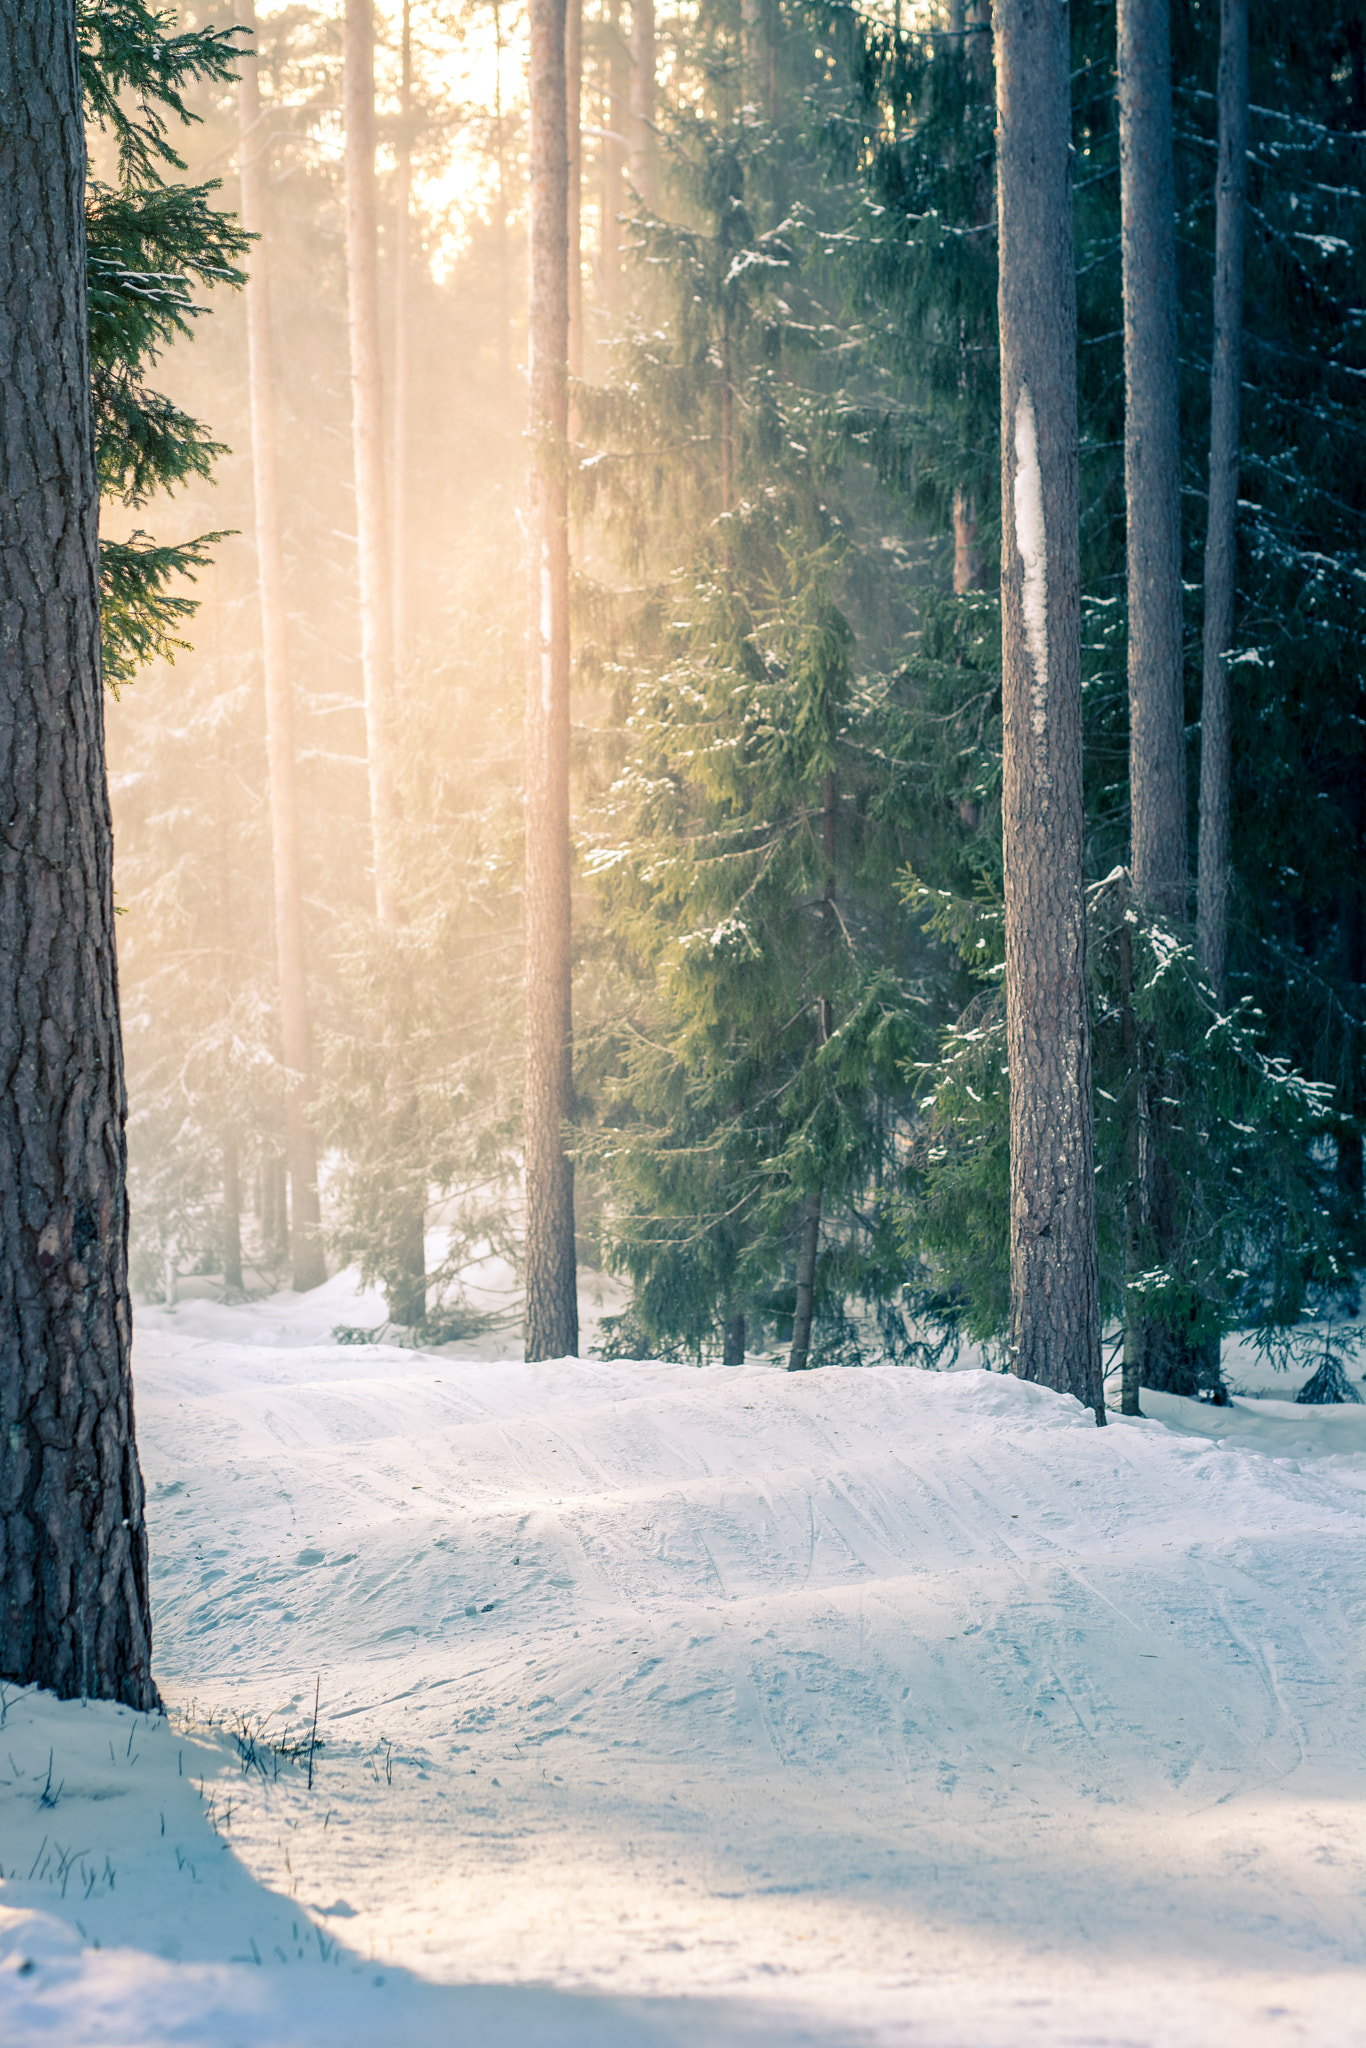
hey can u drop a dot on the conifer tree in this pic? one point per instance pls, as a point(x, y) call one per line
point(1054, 1288)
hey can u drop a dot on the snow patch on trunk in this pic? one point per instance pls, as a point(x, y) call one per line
point(1031, 538)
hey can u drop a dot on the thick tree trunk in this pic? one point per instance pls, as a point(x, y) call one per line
point(1226, 377)
point(309, 1269)
point(799, 1357)
point(403, 193)
point(1054, 1289)
point(616, 120)
point(552, 1321)
point(1152, 458)
point(642, 131)
point(74, 1612)
point(733, 1341)
point(760, 56)
point(367, 433)
point(573, 89)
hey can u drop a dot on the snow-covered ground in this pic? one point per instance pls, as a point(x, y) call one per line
point(712, 1707)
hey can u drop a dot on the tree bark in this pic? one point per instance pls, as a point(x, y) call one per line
point(1054, 1289)
point(1226, 377)
point(799, 1357)
point(502, 238)
point(967, 555)
point(642, 131)
point(616, 120)
point(552, 1323)
point(1152, 458)
point(74, 1611)
point(733, 1341)
point(367, 432)
point(403, 191)
point(573, 87)
point(309, 1267)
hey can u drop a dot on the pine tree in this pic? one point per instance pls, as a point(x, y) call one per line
point(74, 1599)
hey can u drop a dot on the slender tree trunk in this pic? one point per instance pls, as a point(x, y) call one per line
point(74, 1611)
point(402, 341)
point(727, 406)
point(1135, 1114)
point(967, 555)
point(232, 1214)
point(552, 1322)
point(1054, 1288)
point(502, 240)
point(733, 1341)
point(642, 131)
point(367, 431)
point(808, 1250)
point(1152, 458)
point(309, 1268)
point(573, 87)
point(616, 120)
point(1226, 376)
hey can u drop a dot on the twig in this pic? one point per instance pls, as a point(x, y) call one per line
point(313, 1738)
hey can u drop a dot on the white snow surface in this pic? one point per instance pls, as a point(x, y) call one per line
point(721, 1706)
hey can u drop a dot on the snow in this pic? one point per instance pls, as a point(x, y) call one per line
point(720, 1706)
point(1031, 537)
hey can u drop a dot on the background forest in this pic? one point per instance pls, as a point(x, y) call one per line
point(790, 1119)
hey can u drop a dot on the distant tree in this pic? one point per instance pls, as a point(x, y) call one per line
point(74, 1609)
point(552, 1318)
point(1054, 1284)
point(305, 1237)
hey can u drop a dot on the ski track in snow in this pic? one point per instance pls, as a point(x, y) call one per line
point(663, 1705)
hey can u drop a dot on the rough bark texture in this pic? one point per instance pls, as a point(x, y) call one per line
point(403, 188)
point(305, 1237)
point(1226, 376)
point(733, 1341)
point(367, 433)
point(552, 1321)
point(1152, 457)
point(74, 1613)
point(642, 132)
point(1054, 1306)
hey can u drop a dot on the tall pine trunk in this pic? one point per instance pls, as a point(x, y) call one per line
point(74, 1611)
point(573, 87)
point(552, 1322)
point(502, 239)
point(616, 121)
point(1152, 458)
point(367, 433)
point(305, 1237)
point(232, 1213)
point(1226, 376)
point(403, 193)
point(642, 131)
point(1054, 1288)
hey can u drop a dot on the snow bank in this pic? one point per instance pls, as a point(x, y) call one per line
point(721, 1705)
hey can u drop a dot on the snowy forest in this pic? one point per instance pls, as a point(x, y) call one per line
point(786, 1121)
point(685, 752)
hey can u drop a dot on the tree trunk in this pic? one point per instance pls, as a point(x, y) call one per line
point(1226, 377)
point(552, 1322)
point(1152, 458)
point(1054, 1288)
point(309, 1268)
point(967, 555)
point(616, 120)
point(799, 1356)
point(573, 88)
point(1135, 1165)
point(760, 57)
point(232, 1214)
point(403, 190)
point(733, 1341)
point(367, 431)
point(74, 1611)
point(502, 238)
point(642, 131)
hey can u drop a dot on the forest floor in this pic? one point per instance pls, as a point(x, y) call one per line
point(662, 1706)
